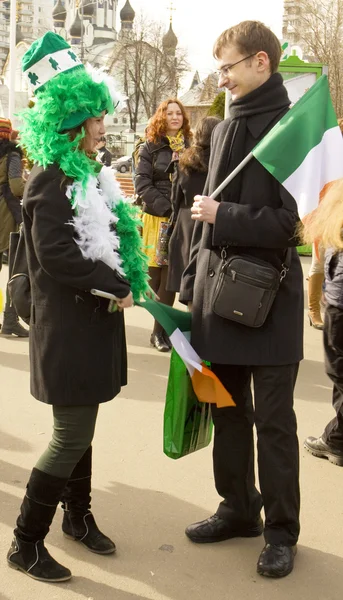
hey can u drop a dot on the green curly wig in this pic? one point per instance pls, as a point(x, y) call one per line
point(71, 97)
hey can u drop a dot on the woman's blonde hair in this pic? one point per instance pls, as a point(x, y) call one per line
point(326, 222)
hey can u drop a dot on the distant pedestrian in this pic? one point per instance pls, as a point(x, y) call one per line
point(11, 192)
point(104, 155)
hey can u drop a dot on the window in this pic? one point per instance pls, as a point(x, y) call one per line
point(115, 120)
point(124, 120)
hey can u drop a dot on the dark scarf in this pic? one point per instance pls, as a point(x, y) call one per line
point(271, 97)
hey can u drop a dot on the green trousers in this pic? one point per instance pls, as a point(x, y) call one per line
point(73, 433)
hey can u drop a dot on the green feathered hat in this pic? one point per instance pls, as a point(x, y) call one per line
point(66, 94)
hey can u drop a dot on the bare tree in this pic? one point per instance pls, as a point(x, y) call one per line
point(319, 28)
point(146, 73)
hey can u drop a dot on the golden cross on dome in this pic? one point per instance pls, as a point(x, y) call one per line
point(171, 8)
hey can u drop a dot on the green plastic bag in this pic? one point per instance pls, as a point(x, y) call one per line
point(187, 422)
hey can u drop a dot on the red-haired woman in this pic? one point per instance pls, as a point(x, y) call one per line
point(167, 135)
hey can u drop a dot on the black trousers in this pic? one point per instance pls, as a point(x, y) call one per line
point(333, 346)
point(277, 445)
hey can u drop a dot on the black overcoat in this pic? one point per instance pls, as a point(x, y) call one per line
point(77, 348)
point(152, 178)
point(261, 222)
point(185, 187)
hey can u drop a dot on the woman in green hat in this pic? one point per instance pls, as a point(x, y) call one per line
point(80, 234)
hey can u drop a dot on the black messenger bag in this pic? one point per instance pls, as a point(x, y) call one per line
point(246, 288)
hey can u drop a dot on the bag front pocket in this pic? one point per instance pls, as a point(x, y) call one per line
point(241, 297)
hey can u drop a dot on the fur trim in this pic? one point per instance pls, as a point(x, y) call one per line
point(94, 223)
point(107, 229)
point(99, 76)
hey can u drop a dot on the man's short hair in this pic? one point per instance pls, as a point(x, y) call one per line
point(250, 37)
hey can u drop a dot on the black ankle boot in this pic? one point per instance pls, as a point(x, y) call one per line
point(11, 325)
point(83, 528)
point(28, 553)
point(78, 522)
point(33, 559)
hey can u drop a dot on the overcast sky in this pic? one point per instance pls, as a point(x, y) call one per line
point(198, 23)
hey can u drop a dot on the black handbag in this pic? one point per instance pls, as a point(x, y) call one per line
point(246, 288)
point(19, 283)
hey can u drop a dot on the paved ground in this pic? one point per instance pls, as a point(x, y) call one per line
point(144, 500)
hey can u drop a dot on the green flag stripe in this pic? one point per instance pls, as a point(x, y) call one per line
point(285, 147)
point(170, 318)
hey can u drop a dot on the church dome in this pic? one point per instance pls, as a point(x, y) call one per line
point(127, 13)
point(86, 7)
point(169, 39)
point(75, 31)
point(59, 13)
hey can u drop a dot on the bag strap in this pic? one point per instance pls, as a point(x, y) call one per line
point(286, 264)
point(284, 267)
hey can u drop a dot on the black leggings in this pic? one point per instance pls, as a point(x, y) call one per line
point(158, 283)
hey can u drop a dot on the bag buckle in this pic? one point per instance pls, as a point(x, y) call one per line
point(223, 253)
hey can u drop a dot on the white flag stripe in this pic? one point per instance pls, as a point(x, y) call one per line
point(185, 351)
point(321, 166)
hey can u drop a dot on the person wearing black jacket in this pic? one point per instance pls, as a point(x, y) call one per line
point(167, 136)
point(11, 192)
point(327, 225)
point(192, 173)
point(254, 216)
point(104, 154)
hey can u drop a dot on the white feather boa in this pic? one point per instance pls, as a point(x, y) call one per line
point(94, 222)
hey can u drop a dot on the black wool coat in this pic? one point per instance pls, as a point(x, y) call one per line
point(77, 348)
point(185, 187)
point(261, 223)
point(152, 178)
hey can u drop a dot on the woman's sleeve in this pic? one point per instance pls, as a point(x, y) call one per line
point(15, 171)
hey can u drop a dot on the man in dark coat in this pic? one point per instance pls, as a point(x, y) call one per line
point(104, 154)
point(254, 216)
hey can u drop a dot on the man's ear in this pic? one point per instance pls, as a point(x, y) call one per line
point(263, 61)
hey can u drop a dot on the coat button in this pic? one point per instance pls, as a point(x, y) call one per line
point(211, 273)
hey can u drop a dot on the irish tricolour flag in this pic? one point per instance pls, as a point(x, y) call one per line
point(304, 151)
point(177, 324)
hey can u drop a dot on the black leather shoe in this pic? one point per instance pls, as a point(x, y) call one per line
point(319, 448)
point(157, 340)
point(215, 529)
point(84, 529)
point(276, 560)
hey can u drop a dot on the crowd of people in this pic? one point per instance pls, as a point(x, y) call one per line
point(78, 238)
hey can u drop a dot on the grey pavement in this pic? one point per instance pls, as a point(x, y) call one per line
point(144, 500)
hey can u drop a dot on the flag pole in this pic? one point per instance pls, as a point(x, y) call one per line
point(12, 69)
point(232, 175)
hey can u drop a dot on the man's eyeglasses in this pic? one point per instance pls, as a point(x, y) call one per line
point(225, 70)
